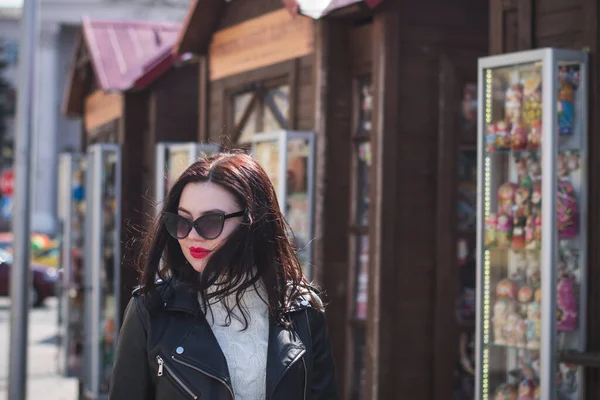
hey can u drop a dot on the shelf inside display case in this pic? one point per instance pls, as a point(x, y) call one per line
point(519, 257)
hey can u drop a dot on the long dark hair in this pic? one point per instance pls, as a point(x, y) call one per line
point(259, 249)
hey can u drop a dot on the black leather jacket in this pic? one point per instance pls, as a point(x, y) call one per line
point(167, 350)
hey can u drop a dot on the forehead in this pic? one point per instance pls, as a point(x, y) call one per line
point(199, 197)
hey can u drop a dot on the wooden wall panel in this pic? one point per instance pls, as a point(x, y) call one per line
point(239, 11)
point(134, 129)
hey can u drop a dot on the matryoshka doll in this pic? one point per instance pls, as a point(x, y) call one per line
point(527, 390)
point(506, 292)
point(518, 136)
point(490, 137)
point(567, 303)
point(506, 197)
point(534, 139)
point(502, 136)
point(533, 328)
point(529, 233)
point(567, 212)
point(513, 104)
point(504, 231)
point(525, 295)
point(505, 392)
point(490, 230)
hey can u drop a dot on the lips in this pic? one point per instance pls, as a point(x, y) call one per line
point(199, 252)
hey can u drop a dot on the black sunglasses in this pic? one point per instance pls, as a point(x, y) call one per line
point(208, 226)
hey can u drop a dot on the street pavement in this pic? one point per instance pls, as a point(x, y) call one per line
point(43, 380)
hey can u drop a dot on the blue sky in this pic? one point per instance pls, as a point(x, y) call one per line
point(11, 3)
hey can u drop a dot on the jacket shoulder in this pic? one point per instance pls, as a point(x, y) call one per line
point(308, 297)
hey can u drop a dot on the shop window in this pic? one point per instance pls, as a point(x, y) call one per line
point(359, 232)
point(260, 109)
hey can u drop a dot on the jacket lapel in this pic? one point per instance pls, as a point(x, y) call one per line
point(285, 348)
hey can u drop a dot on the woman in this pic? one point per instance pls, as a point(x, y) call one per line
point(232, 316)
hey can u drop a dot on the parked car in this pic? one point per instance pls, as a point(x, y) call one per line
point(44, 279)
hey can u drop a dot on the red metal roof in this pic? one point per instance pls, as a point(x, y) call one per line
point(121, 50)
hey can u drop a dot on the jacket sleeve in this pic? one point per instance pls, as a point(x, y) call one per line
point(131, 377)
point(323, 384)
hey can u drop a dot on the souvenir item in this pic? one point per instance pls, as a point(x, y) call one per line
point(518, 136)
point(518, 235)
point(523, 172)
point(525, 295)
point(533, 328)
point(529, 233)
point(505, 392)
point(527, 390)
point(567, 212)
point(536, 198)
point(523, 203)
point(502, 136)
point(507, 288)
point(573, 161)
point(533, 272)
point(502, 308)
point(567, 304)
point(513, 103)
point(506, 197)
point(532, 99)
point(535, 171)
point(504, 231)
point(562, 167)
point(537, 233)
point(490, 230)
point(534, 139)
point(490, 138)
point(566, 106)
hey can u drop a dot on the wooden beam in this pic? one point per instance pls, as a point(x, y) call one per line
point(262, 41)
point(203, 99)
point(102, 107)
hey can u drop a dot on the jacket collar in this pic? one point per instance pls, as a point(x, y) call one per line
point(284, 345)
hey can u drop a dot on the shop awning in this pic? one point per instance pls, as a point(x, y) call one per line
point(204, 15)
point(119, 53)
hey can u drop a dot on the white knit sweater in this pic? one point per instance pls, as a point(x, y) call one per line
point(244, 350)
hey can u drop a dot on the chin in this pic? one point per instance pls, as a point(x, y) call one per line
point(197, 265)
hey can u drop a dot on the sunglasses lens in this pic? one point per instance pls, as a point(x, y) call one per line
point(176, 225)
point(210, 226)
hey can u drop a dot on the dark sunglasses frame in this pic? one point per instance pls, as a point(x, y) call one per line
point(195, 224)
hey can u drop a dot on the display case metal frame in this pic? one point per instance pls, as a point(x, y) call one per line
point(194, 150)
point(550, 59)
point(67, 165)
point(282, 139)
point(94, 259)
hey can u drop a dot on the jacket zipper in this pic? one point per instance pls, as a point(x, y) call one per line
point(305, 378)
point(205, 373)
point(162, 366)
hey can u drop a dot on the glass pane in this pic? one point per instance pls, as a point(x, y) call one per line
point(512, 237)
point(75, 290)
point(570, 268)
point(240, 103)
point(365, 104)
point(267, 155)
point(297, 210)
point(276, 108)
point(249, 129)
point(107, 277)
point(363, 172)
point(362, 276)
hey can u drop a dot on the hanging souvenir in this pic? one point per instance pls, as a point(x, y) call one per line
point(567, 304)
point(533, 321)
point(506, 197)
point(504, 231)
point(534, 138)
point(502, 136)
point(532, 98)
point(518, 136)
point(567, 212)
point(566, 102)
point(490, 230)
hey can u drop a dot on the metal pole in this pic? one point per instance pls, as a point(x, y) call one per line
point(21, 275)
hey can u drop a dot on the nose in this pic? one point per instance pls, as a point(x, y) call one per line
point(194, 235)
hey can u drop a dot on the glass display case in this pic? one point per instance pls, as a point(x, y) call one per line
point(531, 224)
point(102, 266)
point(288, 159)
point(172, 159)
point(71, 211)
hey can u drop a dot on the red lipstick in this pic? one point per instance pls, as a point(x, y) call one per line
point(199, 252)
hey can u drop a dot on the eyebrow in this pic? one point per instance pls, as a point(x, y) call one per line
point(214, 210)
